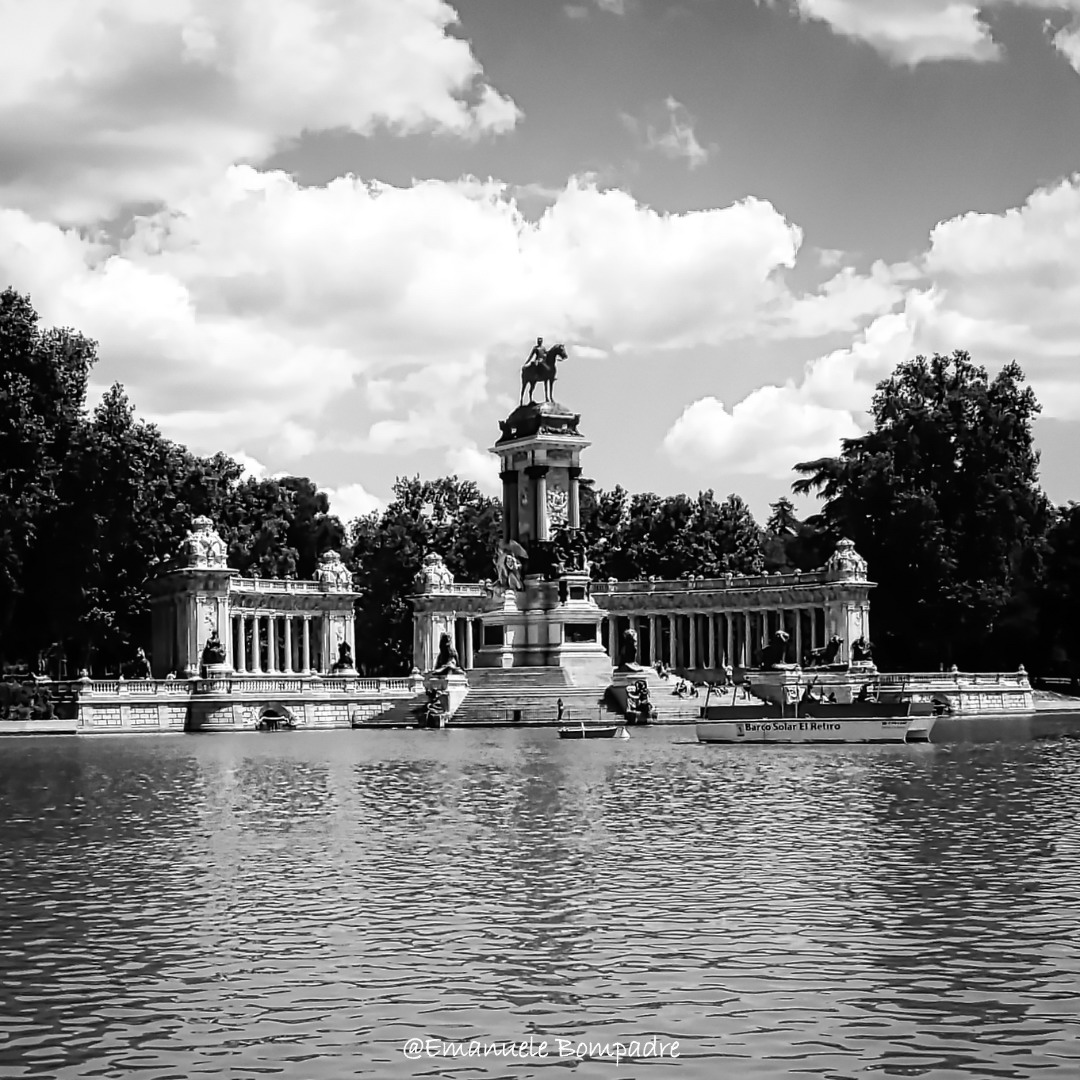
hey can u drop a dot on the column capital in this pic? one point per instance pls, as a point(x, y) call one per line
point(509, 476)
point(574, 471)
point(534, 472)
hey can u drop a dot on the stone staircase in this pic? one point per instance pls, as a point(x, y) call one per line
point(399, 713)
point(525, 696)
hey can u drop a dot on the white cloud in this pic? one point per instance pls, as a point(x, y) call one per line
point(765, 433)
point(245, 311)
point(676, 138)
point(1067, 42)
point(917, 31)
point(1001, 286)
point(253, 468)
point(471, 463)
point(107, 102)
point(352, 501)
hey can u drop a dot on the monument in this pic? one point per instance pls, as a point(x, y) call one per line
point(542, 613)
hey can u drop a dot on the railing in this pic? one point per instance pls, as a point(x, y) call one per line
point(736, 581)
point(231, 684)
point(465, 588)
point(936, 678)
point(284, 585)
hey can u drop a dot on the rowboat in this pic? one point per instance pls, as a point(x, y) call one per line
point(594, 731)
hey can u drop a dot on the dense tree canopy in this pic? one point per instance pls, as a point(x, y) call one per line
point(675, 536)
point(941, 498)
point(448, 516)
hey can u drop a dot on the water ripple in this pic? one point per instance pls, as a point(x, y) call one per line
point(300, 905)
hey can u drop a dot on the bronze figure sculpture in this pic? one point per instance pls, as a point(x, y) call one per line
point(540, 368)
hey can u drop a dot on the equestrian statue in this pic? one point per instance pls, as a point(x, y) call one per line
point(540, 368)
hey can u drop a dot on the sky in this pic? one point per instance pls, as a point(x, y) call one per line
point(322, 235)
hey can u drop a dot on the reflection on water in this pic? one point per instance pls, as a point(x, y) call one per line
point(298, 905)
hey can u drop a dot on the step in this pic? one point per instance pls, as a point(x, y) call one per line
point(518, 677)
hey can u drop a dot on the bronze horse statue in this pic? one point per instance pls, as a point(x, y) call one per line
point(541, 370)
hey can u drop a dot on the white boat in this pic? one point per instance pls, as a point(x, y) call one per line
point(807, 722)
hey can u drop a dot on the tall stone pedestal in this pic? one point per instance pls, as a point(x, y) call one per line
point(451, 689)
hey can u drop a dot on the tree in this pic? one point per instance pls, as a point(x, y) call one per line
point(43, 379)
point(448, 516)
point(782, 521)
point(941, 497)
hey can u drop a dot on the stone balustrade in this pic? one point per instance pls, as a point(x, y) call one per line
point(734, 581)
point(234, 684)
point(280, 585)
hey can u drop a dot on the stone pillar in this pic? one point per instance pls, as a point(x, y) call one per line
point(509, 479)
point(711, 657)
point(307, 644)
point(574, 508)
point(256, 645)
point(654, 651)
point(729, 639)
point(673, 641)
point(798, 635)
point(612, 634)
point(693, 657)
point(288, 646)
point(467, 659)
point(538, 473)
point(746, 650)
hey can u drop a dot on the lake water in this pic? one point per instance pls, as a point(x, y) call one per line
point(301, 904)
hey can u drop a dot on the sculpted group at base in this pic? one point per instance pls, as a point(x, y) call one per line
point(539, 643)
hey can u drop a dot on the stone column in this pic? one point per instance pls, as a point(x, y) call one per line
point(693, 657)
point(307, 644)
point(288, 645)
point(612, 632)
point(654, 652)
point(256, 641)
point(538, 473)
point(574, 509)
point(673, 640)
point(711, 657)
point(729, 638)
point(798, 635)
point(467, 659)
point(510, 504)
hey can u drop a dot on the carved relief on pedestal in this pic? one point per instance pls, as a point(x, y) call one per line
point(558, 504)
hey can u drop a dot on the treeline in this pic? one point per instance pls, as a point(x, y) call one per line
point(973, 564)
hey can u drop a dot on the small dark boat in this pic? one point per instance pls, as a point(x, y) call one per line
point(594, 731)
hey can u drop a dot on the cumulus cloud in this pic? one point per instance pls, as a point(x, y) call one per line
point(1002, 286)
point(917, 31)
point(110, 102)
point(674, 137)
point(471, 463)
point(764, 433)
point(351, 501)
point(243, 311)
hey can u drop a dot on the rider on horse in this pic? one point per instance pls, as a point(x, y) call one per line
point(540, 368)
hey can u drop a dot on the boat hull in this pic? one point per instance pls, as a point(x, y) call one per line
point(805, 730)
point(604, 731)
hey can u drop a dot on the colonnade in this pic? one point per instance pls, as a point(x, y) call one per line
point(277, 643)
point(704, 639)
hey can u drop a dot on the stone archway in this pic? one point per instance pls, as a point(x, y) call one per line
point(275, 715)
